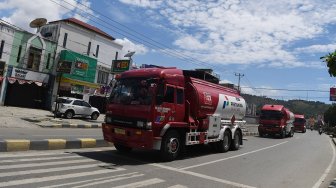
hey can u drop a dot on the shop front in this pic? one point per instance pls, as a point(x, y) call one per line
point(26, 88)
point(77, 76)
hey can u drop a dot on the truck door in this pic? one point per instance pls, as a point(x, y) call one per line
point(180, 107)
point(165, 104)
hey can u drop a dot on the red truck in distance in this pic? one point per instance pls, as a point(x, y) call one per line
point(276, 119)
point(167, 109)
point(300, 123)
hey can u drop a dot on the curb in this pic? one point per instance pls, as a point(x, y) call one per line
point(51, 144)
point(71, 126)
point(333, 183)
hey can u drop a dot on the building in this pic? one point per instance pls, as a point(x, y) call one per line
point(85, 55)
point(29, 60)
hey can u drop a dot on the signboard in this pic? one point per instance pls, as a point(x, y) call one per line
point(119, 66)
point(332, 94)
point(83, 67)
point(29, 75)
point(64, 67)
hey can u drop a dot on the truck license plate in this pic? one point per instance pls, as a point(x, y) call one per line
point(119, 131)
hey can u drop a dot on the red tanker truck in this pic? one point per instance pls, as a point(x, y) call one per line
point(300, 123)
point(276, 119)
point(167, 109)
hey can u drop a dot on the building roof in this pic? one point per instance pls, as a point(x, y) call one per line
point(86, 26)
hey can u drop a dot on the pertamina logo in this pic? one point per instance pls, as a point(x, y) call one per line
point(207, 98)
point(226, 102)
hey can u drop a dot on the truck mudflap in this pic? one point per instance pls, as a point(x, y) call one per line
point(130, 137)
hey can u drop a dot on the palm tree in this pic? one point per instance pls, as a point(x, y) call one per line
point(330, 59)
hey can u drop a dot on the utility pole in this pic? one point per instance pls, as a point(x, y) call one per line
point(239, 76)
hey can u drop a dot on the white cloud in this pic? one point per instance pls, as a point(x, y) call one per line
point(317, 48)
point(129, 46)
point(255, 32)
point(22, 12)
point(143, 3)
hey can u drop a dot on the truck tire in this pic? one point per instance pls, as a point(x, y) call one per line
point(236, 141)
point(291, 132)
point(283, 133)
point(170, 146)
point(122, 149)
point(224, 145)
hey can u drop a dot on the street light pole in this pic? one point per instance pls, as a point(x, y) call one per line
point(239, 76)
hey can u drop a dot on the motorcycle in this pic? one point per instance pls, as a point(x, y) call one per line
point(320, 130)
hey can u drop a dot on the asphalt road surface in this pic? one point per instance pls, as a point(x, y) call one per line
point(306, 160)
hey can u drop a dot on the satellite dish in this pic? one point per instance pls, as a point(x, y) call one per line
point(129, 54)
point(38, 22)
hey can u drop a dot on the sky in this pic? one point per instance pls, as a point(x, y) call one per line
point(275, 44)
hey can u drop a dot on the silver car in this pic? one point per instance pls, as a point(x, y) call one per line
point(70, 107)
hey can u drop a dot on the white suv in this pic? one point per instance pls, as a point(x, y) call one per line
point(70, 107)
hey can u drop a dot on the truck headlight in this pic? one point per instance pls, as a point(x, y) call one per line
point(108, 119)
point(149, 125)
point(140, 124)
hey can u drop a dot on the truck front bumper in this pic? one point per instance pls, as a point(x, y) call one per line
point(130, 137)
point(269, 130)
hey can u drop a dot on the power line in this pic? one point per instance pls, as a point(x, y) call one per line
point(280, 89)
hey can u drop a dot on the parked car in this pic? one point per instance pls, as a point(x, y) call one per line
point(70, 107)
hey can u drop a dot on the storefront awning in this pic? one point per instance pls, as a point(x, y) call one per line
point(79, 82)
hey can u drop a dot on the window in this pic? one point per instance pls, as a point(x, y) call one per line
point(1, 48)
point(34, 59)
point(169, 96)
point(102, 77)
point(65, 39)
point(179, 96)
point(89, 48)
point(97, 51)
point(86, 104)
point(48, 61)
point(19, 54)
point(77, 102)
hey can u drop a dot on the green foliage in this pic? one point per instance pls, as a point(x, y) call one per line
point(330, 59)
point(330, 115)
point(308, 108)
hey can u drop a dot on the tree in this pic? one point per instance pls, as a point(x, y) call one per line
point(330, 59)
point(330, 116)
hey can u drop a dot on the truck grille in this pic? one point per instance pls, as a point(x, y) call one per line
point(126, 121)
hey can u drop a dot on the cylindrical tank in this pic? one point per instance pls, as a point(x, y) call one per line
point(290, 116)
point(211, 99)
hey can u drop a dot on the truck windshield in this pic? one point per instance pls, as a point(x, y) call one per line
point(131, 91)
point(299, 120)
point(271, 115)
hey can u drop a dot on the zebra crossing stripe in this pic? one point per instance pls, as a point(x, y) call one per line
point(52, 178)
point(141, 183)
point(6, 167)
point(58, 169)
point(108, 181)
point(38, 159)
point(177, 186)
point(90, 180)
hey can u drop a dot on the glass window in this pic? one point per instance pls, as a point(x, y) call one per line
point(77, 102)
point(179, 96)
point(169, 96)
point(65, 39)
point(86, 104)
point(34, 59)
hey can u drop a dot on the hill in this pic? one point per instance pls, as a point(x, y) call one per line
point(308, 108)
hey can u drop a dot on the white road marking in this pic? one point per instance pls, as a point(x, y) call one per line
point(5, 167)
point(326, 172)
point(178, 186)
point(38, 171)
point(30, 154)
point(202, 176)
point(108, 181)
point(90, 180)
point(52, 178)
point(141, 183)
point(38, 159)
point(235, 156)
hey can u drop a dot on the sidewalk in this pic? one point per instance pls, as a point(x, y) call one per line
point(25, 122)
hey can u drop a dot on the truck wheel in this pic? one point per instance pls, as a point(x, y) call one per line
point(170, 146)
point(68, 114)
point(122, 149)
point(235, 144)
point(283, 133)
point(224, 145)
point(291, 133)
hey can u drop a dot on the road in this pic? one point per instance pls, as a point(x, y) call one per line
point(306, 160)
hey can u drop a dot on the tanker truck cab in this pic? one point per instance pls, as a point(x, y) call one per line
point(276, 119)
point(300, 123)
point(179, 111)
